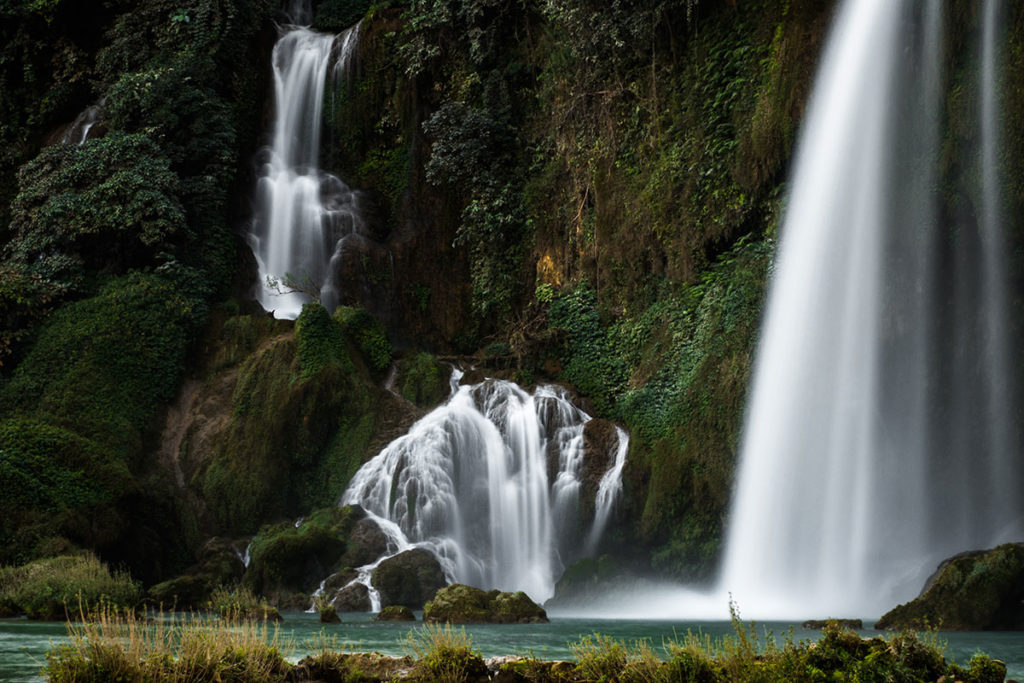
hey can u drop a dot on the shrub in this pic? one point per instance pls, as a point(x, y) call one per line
point(52, 588)
point(240, 604)
point(444, 654)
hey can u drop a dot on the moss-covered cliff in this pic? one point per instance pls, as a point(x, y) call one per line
point(580, 191)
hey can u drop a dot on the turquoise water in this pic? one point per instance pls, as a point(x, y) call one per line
point(23, 644)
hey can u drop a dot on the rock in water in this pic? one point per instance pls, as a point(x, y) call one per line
point(459, 603)
point(819, 624)
point(409, 578)
point(976, 591)
point(395, 613)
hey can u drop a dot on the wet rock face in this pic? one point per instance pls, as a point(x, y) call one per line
point(459, 603)
point(409, 578)
point(352, 598)
point(600, 442)
point(366, 543)
point(975, 591)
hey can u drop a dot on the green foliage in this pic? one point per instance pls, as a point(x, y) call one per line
point(102, 367)
point(334, 16)
point(52, 588)
point(108, 204)
point(116, 646)
point(319, 341)
point(240, 603)
point(474, 152)
point(589, 362)
point(422, 380)
point(286, 557)
point(369, 336)
point(445, 654)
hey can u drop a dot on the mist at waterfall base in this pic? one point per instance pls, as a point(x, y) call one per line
point(492, 484)
point(879, 435)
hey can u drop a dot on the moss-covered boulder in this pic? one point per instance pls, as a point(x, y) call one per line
point(463, 604)
point(975, 591)
point(354, 597)
point(409, 578)
point(218, 564)
point(294, 557)
point(423, 380)
point(395, 613)
point(328, 615)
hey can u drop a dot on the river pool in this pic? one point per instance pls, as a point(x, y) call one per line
point(23, 644)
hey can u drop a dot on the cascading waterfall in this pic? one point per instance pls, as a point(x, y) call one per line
point(470, 482)
point(879, 436)
point(302, 213)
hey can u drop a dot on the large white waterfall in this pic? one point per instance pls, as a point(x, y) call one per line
point(879, 437)
point(491, 483)
point(302, 213)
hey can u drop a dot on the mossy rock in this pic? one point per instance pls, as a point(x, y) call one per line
point(291, 558)
point(395, 613)
point(328, 615)
point(423, 380)
point(409, 578)
point(976, 591)
point(463, 604)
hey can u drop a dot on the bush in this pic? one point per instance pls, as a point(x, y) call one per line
point(423, 380)
point(240, 604)
point(108, 204)
point(444, 654)
point(71, 584)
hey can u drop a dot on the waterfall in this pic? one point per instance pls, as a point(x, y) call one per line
point(302, 213)
point(78, 132)
point(490, 482)
point(879, 433)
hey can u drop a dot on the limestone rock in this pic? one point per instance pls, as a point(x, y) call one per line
point(352, 598)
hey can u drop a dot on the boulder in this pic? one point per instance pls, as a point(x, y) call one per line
point(352, 598)
point(395, 613)
point(409, 578)
point(976, 591)
point(819, 624)
point(463, 604)
point(366, 543)
point(328, 615)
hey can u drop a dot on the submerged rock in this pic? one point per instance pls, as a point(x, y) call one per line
point(976, 591)
point(328, 615)
point(409, 578)
point(819, 624)
point(395, 613)
point(459, 603)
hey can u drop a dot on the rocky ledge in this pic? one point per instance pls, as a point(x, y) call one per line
point(974, 591)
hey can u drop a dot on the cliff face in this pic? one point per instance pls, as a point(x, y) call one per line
point(578, 191)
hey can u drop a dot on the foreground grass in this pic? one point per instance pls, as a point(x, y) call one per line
point(119, 646)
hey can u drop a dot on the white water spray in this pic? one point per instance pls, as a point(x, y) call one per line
point(302, 213)
point(879, 437)
point(470, 482)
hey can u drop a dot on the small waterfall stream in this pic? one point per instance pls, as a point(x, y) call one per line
point(879, 436)
point(491, 483)
point(302, 213)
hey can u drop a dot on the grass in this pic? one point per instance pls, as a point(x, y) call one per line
point(118, 645)
point(46, 589)
point(115, 645)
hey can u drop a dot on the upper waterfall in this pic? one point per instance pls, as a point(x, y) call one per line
point(879, 436)
point(302, 213)
point(491, 483)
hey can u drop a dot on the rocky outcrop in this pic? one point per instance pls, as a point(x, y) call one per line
point(354, 597)
point(976, 591)
point(463, 604)
point(819, 624)
point(219, 564)
point(395, 613)
point(409, 578)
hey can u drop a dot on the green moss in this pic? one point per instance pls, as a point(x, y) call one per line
point(320, 342)
point(422, 380)
point(369, 336)
point(288, 558)
point(459, 603)
point(975, 592)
